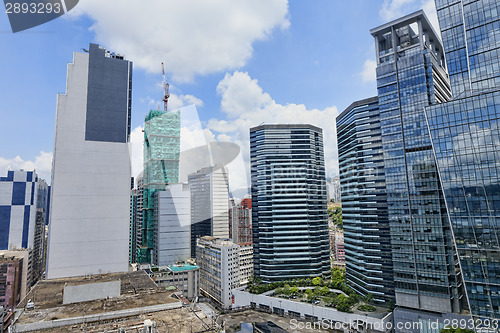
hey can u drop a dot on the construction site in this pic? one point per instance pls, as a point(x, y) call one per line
point(141, 307)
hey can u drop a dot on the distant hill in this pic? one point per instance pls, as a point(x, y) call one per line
point(240, 193)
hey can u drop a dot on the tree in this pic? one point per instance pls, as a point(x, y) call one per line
point(325, 290)
point(338, 275)
point(317, 291)
point(286, 289)
point(317, 281)
point(368, 298)
point(278, 291)
point(294, 290)
point(309, 294)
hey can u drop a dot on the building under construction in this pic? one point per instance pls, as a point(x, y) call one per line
point(161, 167)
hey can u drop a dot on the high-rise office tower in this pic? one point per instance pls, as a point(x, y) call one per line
point(410, 76)
point(161, 167)
point(209, 204)
point(465, 135)
point(289, 214)
point(90, 190)
point(368, 253)
point(172, 216)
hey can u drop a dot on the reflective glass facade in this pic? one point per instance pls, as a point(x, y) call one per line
point(364, 201)
point(289, 214)
point(410, 76)
point(466, 137)
point(471, 38)
point(465, 134)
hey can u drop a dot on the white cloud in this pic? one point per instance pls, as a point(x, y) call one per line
point(393, 9)
point(247, 105)
point(368, 74)
point(192, 37)
point(42, 165)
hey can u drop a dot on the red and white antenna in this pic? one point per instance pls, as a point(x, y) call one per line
point(165, 86)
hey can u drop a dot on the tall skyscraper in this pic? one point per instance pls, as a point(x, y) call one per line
point(289, 214)
point(411, 75)
point(466, 139)
point(172, 214)
point(90, 194)
point(368, 252)
point(209, 204)
point(161, 167)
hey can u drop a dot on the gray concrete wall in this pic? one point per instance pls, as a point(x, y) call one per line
point(91, 291)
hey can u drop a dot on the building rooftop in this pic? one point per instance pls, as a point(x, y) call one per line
point(286, 126)
point(184, 267)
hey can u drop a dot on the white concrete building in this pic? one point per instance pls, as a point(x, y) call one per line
point(89, 222)
point(218, 259)
point(246, 264)
point(209, 204)
point(172, 225)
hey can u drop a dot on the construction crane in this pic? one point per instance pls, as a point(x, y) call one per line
point(165, 86)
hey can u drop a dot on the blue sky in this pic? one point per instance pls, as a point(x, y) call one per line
point(241, 62)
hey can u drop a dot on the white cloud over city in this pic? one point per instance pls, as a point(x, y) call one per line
point(192, 37)
point(393, 9)
point(247, 105)
point(42, 164)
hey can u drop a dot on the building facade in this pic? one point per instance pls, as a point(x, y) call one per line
point(23, 214)
point(218, 259)
point(90, 188)
point(161, 167)
point(289, 213)
point(209, 204)
point(17, 276)
point(411, 75)
point(368, 253)
point(136, 208)
point(465, 136)
point(240, 222)
point(172, 221)
point(246, 263)
point(11, 271)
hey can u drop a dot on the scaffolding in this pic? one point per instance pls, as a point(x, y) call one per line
point(161, 167)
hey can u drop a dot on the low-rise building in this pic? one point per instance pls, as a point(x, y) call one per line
point(219, 262)
point(186, 277)
point(15, 276)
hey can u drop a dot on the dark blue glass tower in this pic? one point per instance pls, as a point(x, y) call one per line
point(289, 215)
point(410, 76)
point(466, 140)
point(364, 201)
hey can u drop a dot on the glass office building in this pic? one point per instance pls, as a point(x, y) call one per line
point(364, 201)
point(466, 139)
point(410, 76)
point(289, 214)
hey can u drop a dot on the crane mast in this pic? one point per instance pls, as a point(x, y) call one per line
point(165, 87)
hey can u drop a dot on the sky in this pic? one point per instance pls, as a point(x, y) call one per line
point(241, 63)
